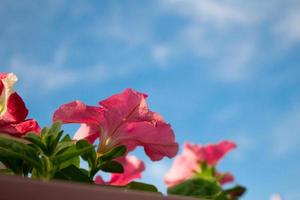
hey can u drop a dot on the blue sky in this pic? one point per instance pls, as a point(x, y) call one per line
point(214, 69)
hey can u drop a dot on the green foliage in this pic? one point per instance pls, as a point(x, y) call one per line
point(112, 154)
point(197, 187)
point(17, 155)
point(52, 155)
point(134, 185)
point(111, 166)
point(235, 192)
point(46, 156)
point(73, 173)
point(205, 185)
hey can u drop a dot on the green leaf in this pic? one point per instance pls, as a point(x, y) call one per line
point(55, 128)
point(74, 161)
point(62, 146)
point(66, 138)
point(114, 153)
point(73, 173)
point(36, 140)
point(134, 185)
point(44, 134)
point(111, 166)
point(197, 187)
point(20, 155)
point(90, 156)
point(235, 192)
point(71, 153)
point(16, 148)
point(51, 136)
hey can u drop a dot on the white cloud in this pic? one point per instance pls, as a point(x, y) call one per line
point(285, 133)
point(227, 114)
point(208, 33)
point(161, 54)
point(236, 64)
point(287, 28)
point(50, 77)
point(54, 75)
point(216, 12)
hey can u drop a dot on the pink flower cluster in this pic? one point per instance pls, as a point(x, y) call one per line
point(188, 164)
point(122, 119)
point(13, 111)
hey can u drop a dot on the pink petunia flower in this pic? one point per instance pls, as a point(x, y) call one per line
point(13, 111)
point(186, 165)
point(133, 168)
point(122, 119)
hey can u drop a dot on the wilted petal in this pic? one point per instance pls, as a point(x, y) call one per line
point(21, 128)
point(78, 112)
point(89, 132)
point(133, 168)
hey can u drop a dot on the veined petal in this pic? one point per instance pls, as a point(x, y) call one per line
point(128, 106)
point(78, 112)
point(158, 141)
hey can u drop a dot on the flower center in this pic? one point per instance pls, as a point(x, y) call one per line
point(7, 89)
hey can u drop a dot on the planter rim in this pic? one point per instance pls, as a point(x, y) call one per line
point(16, 187)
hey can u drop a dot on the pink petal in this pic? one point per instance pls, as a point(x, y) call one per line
point(1, 87)
point(133, 168)
point(89, 132)
point(21, 128)
point(3, 75)
point(78, 112)
point(16, 110)
point(158, 141)
point(99, 180)
point(226, 178)
point(182, 169)
point(185, 166)
point(127, 106)
point(211, 153)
